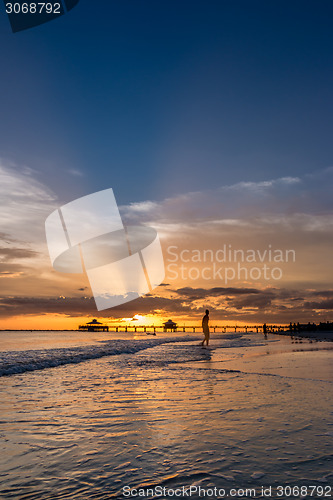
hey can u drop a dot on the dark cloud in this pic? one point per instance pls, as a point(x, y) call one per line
point(324, 304)
point(202, 293)
point(83, 306)
point(261, 301)
point(6, 237)
point(10, 268)
point(272, 306)
point(10, 254)
point(18, 306)
point(154, 305)
point(323, 293)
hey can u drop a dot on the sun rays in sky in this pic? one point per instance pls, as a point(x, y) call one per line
point(217, 134)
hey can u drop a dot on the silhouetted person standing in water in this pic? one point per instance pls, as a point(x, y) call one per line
point(205, 328)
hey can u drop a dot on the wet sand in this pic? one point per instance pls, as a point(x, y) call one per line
point(246, 412)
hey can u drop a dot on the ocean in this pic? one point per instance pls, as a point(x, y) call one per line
point(113, 415)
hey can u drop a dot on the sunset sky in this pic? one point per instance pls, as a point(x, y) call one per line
point(210, 120)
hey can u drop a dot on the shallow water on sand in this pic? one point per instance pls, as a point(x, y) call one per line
point(247, 412)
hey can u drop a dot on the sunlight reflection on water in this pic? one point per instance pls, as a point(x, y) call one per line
point(173, 414)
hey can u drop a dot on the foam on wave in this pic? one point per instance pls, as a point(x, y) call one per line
point(15, 362)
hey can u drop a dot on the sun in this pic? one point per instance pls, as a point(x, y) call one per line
point(141, 319)
point(138, 317)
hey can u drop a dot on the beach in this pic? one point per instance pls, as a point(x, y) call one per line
point(106, 415)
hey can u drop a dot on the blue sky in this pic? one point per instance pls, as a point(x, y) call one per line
point(211, 121)
point(152, 98)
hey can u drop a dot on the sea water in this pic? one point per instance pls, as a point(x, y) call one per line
point(106, 415)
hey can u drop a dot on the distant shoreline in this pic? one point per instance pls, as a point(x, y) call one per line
point(317, 335)
point(39, 330)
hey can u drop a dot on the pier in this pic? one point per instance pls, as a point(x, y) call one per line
point(198, 328)
point(94, 326)
point(286, 329)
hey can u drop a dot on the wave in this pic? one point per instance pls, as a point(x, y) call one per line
point(16, 362)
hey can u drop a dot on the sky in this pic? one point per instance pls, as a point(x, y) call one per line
point(211, 121)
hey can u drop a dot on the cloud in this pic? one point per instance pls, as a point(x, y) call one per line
point(200, 293)
point(143, 207)
point(11, 253)
point(252, 306)
point(84, 306)
point(18, 306)
point(289, 212)
point(75, 172)
point(323, 293)
point(261, 301)
point(8, 274)
point(5, 237)
point(323, 304)
point(262, 186)
point(25, 204)
point(265, 201)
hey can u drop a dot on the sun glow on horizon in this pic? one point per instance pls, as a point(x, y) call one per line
point(65, 322)
point(141, 319)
